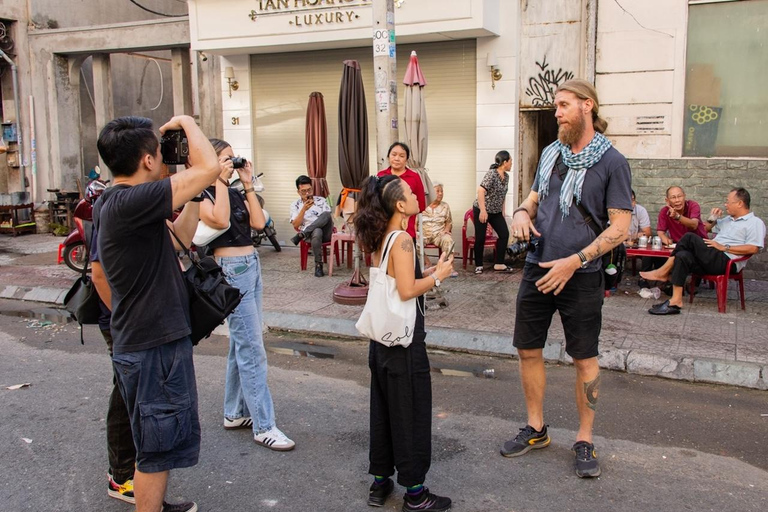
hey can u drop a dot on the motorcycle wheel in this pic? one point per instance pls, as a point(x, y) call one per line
point(75, 256)
point(275, 243)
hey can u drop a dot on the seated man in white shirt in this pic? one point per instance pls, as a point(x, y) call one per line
point(739, 234)
point(311, 217)
point(640, 224)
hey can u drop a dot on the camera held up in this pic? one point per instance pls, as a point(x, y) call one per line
point(238, 162)
point(523, 246)
point(174, 147)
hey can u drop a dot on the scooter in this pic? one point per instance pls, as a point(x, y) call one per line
point(268, 233)
point(73, 251)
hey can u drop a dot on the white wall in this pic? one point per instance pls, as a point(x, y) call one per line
point(497, 109)
point(641, 75)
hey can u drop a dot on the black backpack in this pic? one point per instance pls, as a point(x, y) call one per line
point(616, 256)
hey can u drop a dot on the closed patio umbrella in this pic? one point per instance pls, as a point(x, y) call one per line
point(415, 122)
point(416, 131)
point(317, 144)
point(353, 162)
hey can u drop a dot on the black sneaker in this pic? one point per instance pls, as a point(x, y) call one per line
point(586, 460)
point(297, 238)
point(378, 493)
point(528, 439)
point(426, 502)
point(319, 270)
point(190, 506)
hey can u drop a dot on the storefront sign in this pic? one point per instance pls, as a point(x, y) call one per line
point(311, 13)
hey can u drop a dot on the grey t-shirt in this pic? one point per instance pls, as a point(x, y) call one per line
point(607, 184)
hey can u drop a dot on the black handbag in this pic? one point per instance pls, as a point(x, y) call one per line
point(211, 298)
point(82, 302)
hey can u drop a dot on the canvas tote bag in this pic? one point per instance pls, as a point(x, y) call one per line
point(386, 318)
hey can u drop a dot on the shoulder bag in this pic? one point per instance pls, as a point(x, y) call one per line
point(387, 318)
point(211, 297)
point(613, 261)
point(82, 301)
point(205, 234)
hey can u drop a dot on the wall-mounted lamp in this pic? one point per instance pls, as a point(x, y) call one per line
point(492, 62)
point(229, 74)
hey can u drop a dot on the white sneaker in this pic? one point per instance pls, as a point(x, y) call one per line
point(244, 422)
point(274, 439)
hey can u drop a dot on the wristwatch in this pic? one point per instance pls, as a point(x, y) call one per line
point(727, 247)
point(437, 281)
point(678, 217)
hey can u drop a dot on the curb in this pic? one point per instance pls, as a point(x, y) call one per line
point(691, 369)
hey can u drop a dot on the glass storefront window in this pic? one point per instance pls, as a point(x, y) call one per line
point(726, 79)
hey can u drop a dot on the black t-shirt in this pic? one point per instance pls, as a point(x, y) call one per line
point(239, 232)
point(105, 315)
point(150, 306)
point(607, 184)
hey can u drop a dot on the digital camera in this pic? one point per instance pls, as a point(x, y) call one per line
point(174, 147)
point(238, 162)
point(521, 247)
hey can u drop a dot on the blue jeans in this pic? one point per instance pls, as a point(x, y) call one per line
point(246, 393)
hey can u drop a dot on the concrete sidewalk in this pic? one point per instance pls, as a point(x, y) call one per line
point(698, 345)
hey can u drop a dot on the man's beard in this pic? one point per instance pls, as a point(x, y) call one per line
point(570, 133)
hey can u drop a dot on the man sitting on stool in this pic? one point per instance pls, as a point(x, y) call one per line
point(311, 217)
point(739, 234)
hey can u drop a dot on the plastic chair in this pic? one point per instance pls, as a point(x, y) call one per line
point(305, 246)
point(468, 242)
point(342, 239)
point(433, 246)
point(721, 284)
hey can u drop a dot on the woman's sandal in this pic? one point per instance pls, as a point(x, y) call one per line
point(478, 270)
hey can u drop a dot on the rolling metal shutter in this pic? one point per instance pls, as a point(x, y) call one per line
point(281, 84)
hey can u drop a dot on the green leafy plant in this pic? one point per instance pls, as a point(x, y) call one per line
point(59, 229)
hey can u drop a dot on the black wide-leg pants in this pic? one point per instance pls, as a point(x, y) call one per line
point(401, 412)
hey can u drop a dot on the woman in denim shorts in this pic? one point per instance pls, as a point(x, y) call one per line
point(247, 400)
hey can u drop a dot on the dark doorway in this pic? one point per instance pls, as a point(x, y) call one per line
point(538, 129)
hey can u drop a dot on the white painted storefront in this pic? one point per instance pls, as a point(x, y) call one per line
point(294, 48)
point(635, 51)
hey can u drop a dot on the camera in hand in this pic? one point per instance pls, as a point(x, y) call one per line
point(524, 246)
point(238, 162)
point(174, 147)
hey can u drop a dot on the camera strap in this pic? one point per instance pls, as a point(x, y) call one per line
point(562, 170)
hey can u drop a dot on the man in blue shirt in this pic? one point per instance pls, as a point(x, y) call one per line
point(739, 234)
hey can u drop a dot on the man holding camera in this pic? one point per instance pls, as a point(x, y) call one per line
point(311, 217)
point(580, 177)
point(152, 351)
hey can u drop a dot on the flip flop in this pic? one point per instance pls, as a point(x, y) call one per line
point(507, 270)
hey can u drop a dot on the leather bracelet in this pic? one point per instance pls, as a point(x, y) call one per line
point(223, 181)
point(246, 190)
point(521, 209)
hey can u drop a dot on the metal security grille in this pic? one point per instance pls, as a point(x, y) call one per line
point(281, 84)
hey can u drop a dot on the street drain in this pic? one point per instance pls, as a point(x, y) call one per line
point(302, 350)
point(54, 315)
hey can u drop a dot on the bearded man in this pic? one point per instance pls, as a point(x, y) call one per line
point(581, 184)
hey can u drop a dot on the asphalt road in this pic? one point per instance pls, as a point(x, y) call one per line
point(663, 444)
